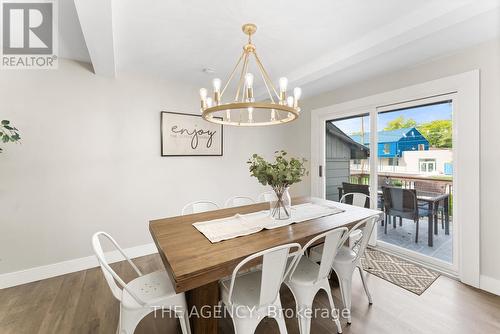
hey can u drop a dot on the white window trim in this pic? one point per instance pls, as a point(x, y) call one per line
point(426, 162)
point(466, 173)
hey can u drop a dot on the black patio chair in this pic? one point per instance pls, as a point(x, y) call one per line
point(432, 187)
point(402, 203)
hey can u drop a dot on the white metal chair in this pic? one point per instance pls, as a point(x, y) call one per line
point(358, 199)
point(307, 277)
point(143, 294)
point(199, 206)
point(348, 259)
point(253, 296)
point(238, 201)
point(267, 196)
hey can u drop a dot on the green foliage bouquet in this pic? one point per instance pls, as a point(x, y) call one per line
point(280, 175)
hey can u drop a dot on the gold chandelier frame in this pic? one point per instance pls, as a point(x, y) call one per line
point(278, 104)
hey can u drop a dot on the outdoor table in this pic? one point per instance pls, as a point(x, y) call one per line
point(432, 200)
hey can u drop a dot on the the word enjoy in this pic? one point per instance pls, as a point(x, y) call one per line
point(195, 134)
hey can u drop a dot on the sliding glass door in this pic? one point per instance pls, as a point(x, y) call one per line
point(402, 156)
point(415, 155)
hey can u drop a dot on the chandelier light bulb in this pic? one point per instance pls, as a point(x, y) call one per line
point(273, 115)
point(290, 101)
point(249, 80)
point(209, 102)
point(250, 114)
point(203, 94)
point(216, 83)
point(228, 115)
point(249, 84)
point(297, 93)
point(283, 84)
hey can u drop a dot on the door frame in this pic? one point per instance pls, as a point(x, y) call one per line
point(466, 172)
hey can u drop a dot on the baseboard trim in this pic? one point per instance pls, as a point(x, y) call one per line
point(489, 284)
point(56, 269)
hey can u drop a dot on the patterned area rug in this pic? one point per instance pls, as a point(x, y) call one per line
point(402, 273)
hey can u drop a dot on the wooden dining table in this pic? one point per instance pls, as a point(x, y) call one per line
point(195, 265)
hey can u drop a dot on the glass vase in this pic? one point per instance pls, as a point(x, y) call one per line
point(281, 204)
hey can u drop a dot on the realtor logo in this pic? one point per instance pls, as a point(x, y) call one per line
point(29, 34)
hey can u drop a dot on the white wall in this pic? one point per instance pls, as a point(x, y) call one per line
point(90, 160)
point(411, 159)
point(485, 57)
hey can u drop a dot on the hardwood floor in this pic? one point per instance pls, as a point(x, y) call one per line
point(82, 303)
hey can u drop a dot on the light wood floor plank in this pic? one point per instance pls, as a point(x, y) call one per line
point(62, 312)
point(82, 302)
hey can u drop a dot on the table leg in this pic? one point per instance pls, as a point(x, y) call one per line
point(205, 297)
point(442, 219)
point(447, 216)
point(435, 217)
point(430, 216)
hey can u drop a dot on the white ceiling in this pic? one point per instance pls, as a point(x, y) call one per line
point(319, 44)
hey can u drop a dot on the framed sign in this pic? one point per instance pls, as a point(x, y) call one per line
point(189, 135)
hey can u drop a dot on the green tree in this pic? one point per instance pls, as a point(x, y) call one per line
point(438, 133)
point(400, 123)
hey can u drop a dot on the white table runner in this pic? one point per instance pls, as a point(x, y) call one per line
point(239, 225)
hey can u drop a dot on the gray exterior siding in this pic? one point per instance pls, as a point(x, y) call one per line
point(337, 168)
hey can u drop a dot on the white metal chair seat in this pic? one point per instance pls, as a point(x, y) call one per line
point(306, 271)
point(315, 252)
point(345, 255)
point(152, 289)
point(142, 295)
point(247, 291)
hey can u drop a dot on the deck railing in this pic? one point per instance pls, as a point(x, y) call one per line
point(404, 180)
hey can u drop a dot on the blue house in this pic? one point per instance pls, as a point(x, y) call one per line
point(392, 144)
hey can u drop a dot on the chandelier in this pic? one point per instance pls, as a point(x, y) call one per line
point(243, 110)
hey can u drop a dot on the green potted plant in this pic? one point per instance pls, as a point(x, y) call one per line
point(280, 175)
point(8, 133)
